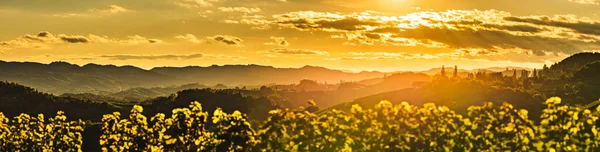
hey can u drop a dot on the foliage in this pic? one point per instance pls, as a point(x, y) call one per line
point(228, 100)
point(185, 130)
point(386, 127)
point(27, 133)
point(405, 127)
point(16, 99)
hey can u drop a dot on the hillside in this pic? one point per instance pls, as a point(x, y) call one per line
point(16, 99)
point(344, 92)
point(576, 79)
point(571, 64)
point(227, 100)
point(580, 86)
point(140, 94)
point(457, 95)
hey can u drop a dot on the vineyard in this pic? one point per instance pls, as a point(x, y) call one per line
point(387, 127)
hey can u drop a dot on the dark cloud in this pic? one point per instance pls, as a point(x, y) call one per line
point(469, 24)
point(373, 36)
point(493, 39)
point(519, 28)
point(579, 26)
point(152, 57)
point(458, 29)
point(43, 34)
point(154, 41)
point(75, 39)
point(228, 40)
point(346, 24)
point(46, 39)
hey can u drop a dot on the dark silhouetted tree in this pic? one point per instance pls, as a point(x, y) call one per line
point(443, 73)
point(455, 73)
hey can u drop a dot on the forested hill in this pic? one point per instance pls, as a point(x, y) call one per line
point(457, 95)
point(63, 77)
point(16, 99)
point(568, 66)
point(576, 79)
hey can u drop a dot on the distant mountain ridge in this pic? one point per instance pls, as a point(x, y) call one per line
point(64, 77)
point(260, 75)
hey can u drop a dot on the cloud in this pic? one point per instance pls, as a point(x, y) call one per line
point(152, 57)
point(114, 9)
point(230, 21)
point(46, 39)
point(205, 13)
point(75, 39)
point(195, 3)
point(594, 2)
point(240, 9)
point(67, 15)
point(156, 57)
point(497, 55)
point(258, 22)
point(456, 29)
point(285, 51)
point(223, 39)
point(561, 21)
point(227, 40)
point(278, 41)
point(386, 56)
point(189, 38)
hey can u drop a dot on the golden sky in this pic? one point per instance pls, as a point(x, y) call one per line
point(384, 35)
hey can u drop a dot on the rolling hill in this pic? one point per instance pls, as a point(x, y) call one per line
point(63, 77)
point(457, 95)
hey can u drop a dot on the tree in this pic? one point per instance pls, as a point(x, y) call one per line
point(443, 73)
point(514, 73)
point(470, 76)
point(524, 74)
point(264, 90)
point(455, 74)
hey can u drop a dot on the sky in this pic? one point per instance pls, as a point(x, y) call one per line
point(355, 35)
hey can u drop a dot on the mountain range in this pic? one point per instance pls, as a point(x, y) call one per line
point(64, 77)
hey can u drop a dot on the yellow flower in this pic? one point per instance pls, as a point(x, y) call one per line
point(553, 100)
